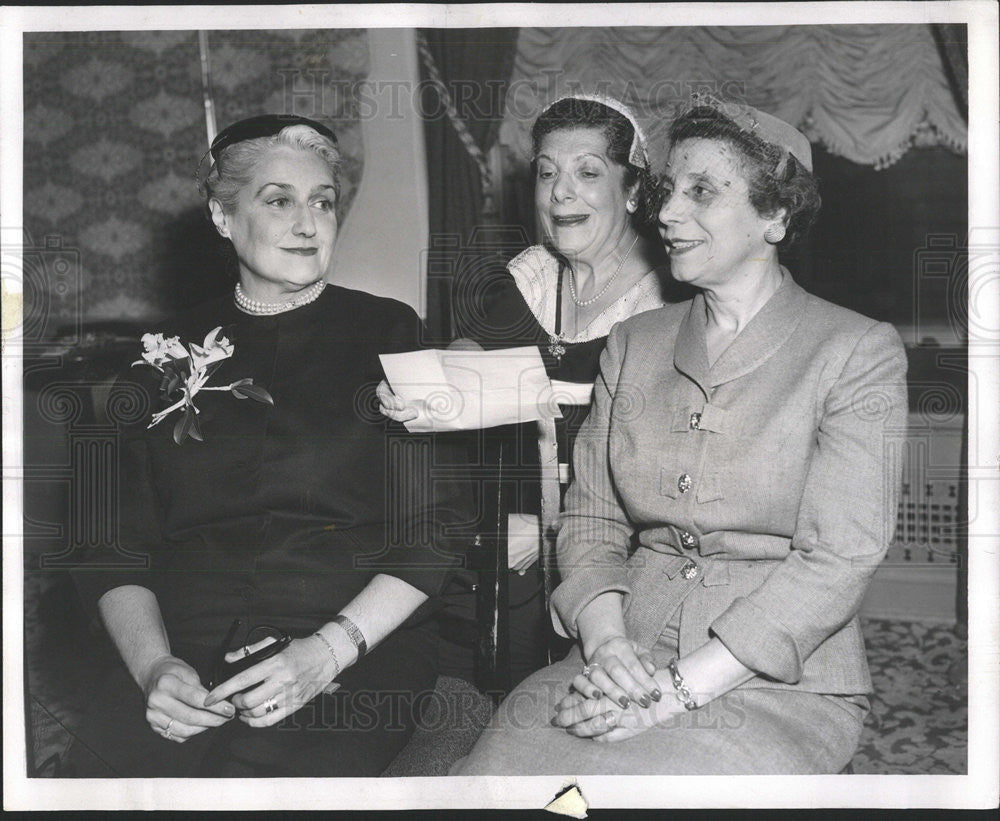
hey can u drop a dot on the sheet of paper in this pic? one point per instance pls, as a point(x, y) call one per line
point(470, 390)
point(572, 393)
point(523, 539)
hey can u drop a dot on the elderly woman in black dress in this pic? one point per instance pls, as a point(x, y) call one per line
point(270, 512)
point(599, 263)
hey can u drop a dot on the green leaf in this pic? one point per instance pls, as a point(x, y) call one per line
point(251, 391)
point(196, 429)
point(171, 383)
point(183, 427)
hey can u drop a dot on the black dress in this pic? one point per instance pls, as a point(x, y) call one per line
point(501, 319)
point(281, 515)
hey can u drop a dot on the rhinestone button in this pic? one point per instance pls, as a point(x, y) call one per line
point(689, 571)
point(684, 483)
point(695, 421)
point(687, 540)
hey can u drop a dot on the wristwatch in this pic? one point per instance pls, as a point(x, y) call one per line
point(353, 633)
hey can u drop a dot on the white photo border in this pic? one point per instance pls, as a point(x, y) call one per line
point(979, 788)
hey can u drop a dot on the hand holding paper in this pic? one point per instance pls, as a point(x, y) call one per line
point(470, 390)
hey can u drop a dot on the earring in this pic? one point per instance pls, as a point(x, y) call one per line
point(775, 233)
point(631, 205)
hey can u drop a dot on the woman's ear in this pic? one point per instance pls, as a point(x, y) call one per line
point(219, 217)
point(632, 198)
point(775, 231)
point(779, 217)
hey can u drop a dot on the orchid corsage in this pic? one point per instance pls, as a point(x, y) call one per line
point(185, 372)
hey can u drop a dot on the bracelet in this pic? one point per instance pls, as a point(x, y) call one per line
point(329, 647)
point(683, 693)
point(355, 635)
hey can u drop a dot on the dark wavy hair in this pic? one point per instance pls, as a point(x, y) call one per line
point(774, 177)
point(618, 131)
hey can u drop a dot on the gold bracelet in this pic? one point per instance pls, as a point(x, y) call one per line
point(683, 692)
point(329, 647)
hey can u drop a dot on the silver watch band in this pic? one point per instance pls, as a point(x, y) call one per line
point(354, 633)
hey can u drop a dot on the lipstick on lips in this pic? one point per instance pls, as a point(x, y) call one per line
point(568, 220)
point(680, 246)
point(303, 252)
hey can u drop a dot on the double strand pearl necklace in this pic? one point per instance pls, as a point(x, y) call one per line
point(252, 306)
point(572, 285)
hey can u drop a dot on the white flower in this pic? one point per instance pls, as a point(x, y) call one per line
point(197, 371)
point(213, 349)
point(160, 350)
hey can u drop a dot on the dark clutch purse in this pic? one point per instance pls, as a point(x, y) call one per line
point(223, 670)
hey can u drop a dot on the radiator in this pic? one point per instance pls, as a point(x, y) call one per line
point(918, 578)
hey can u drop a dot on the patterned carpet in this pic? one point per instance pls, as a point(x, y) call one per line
point(918, 722)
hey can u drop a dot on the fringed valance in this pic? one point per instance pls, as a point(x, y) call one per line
point(865, 92)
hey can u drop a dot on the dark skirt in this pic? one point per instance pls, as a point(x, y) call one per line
point(356, 731)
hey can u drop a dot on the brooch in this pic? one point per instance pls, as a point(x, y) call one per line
point(556, 347)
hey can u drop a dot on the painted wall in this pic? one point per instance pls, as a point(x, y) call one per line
point(381, 244)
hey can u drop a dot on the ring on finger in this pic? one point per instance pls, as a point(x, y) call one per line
point(588, 669)
point(246, 651)
point(270, 706)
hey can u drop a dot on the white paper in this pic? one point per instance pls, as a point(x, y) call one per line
point(523, 539)
point(572, 393)
point(470, 390)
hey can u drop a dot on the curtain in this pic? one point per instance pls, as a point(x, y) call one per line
point(865, 92)
point(473, 65)
point(953, 43)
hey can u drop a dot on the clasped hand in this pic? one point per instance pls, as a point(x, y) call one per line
point(612, 701)
point(178, 706)
point(622, 670)
point(602, 719)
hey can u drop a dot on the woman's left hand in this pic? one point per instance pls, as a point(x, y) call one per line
point(601, 718)
point(622, 669)
point(285, 682)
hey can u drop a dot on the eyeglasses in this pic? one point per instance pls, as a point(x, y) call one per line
point(223, 670)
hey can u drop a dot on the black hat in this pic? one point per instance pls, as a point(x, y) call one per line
point(264, 125)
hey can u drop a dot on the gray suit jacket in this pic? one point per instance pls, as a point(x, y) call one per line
point(757, 495)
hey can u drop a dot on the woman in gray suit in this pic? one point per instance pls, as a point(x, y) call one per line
point(735, 490)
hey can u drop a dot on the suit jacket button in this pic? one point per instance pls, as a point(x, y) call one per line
point(684, 483)
point(689, 571)
point(687, 540)
point(695, 421)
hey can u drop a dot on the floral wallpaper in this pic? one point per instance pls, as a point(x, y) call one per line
point(114, 126)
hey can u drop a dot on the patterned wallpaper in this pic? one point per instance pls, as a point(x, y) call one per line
point(114, 127)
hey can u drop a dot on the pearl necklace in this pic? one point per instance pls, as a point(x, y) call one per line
point(252, 306)
point(584, 303)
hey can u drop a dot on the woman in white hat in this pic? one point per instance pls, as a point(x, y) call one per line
point(600, 262)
